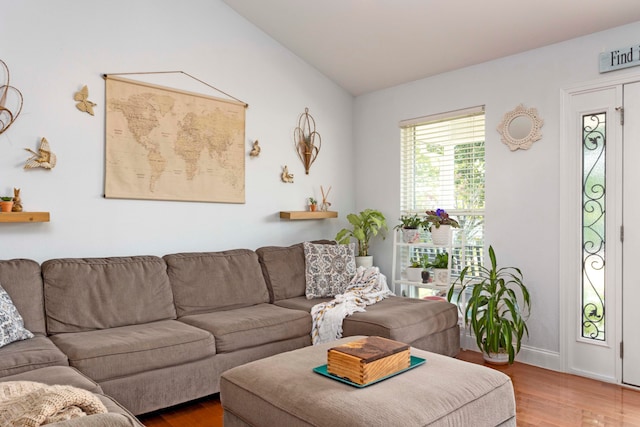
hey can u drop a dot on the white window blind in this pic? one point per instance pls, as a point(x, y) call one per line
point(443, 167)
point(443, 162)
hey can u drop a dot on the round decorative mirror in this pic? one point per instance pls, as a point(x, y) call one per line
point(520, 127)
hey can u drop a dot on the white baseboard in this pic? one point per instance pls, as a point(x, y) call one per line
point(530, 355)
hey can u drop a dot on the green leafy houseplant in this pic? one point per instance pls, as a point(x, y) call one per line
point(496, 318)
point(6, 198)
point(365, 225)
point(441, 260)
point(411, 222)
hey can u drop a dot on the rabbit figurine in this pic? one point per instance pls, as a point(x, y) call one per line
point(17, 202)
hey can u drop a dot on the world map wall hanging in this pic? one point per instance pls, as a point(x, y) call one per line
point(169, 144)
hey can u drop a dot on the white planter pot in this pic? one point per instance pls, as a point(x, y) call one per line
point(364, 261)
point(441, 277)
point(414, 274)
point(441, 236)
point(496, 358)
point(410, 235)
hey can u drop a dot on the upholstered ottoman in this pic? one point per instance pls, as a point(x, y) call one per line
point(283, 390)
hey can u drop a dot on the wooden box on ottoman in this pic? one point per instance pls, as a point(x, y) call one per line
point(369, 359)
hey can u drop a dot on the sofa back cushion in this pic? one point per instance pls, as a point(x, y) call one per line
point(84, 294)
point(211, 281)
point(22, 280)
point(284, 269)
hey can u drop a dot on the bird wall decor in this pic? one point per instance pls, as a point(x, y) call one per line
point(84, 104)
point(44, 158)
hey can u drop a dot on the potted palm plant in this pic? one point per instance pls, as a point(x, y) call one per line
point(410, 227)
point(497, 319)
point(364, 226)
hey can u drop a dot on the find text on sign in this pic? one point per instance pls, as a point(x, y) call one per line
point(620, 58)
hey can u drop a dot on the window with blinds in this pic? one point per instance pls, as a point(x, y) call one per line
point(443, 167)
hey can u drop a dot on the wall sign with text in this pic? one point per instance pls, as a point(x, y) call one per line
point(620, 58)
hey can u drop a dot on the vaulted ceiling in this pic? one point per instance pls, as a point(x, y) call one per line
point(366, 45)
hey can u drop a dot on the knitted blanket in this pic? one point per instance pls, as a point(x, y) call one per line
point(367, 287)
point(32, 404)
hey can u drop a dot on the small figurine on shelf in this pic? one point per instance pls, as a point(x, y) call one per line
point(17, 201)
point(324, 207)
point(313, 204)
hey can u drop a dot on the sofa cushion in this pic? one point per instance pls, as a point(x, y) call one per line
point(27, 355)
point(402, 319)
point(397, 318)
point(251, 326)
point(127, 350)
point(11, 323)
point(84, 294)
point(284, 269)
point(22, 279)
point(53, 375)
point(209, 281)
point(328, 269)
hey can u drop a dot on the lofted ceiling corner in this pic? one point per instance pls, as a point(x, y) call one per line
point(367, 45)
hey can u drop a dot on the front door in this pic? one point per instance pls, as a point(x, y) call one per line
point(631, 240)
point(592, 217)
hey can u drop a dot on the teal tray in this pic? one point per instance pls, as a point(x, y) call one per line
point(322, 370)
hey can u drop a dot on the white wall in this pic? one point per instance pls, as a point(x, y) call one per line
point(522, 187)
point(54, 48)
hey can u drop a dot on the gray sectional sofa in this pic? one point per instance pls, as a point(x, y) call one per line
point(147, 332)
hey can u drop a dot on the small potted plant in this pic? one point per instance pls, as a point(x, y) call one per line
point(410, 227)
point(440, 266)
point(6, 203)
point(364, 226)
point(414, 270)
point(313, 204)
point(440, 224)
point(498, 317)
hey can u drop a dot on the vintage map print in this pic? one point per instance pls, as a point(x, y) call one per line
point(166, 144)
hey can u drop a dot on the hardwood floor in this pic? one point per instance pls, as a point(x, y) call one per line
point(543, 399)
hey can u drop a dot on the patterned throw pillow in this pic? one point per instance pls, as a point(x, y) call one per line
point(328, 269)
point(11, 323)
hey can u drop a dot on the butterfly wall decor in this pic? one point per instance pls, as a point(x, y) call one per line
point(84, 104)
point(44, 158)
point(10, 100)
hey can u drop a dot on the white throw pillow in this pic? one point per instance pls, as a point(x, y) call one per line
point(11, 323)
point(328, 269)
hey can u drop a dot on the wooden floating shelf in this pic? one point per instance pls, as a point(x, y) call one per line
point(24, 216)
point(307, 215)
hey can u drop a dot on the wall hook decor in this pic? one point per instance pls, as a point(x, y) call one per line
point(10, 100)
point(306, 140)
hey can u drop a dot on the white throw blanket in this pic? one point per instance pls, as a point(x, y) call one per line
point(32, 404)
point(367, 287)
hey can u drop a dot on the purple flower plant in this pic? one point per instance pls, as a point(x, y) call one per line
point(440, 217)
